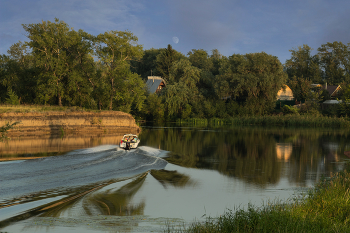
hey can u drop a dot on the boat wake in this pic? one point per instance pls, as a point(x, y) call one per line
point(29, 184)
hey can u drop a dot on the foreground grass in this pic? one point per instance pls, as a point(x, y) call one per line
point(278, 120)
point(325, 209)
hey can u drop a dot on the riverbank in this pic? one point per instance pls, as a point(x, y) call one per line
point(326, 208)
point(36, 121)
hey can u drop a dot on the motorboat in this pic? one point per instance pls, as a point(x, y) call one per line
point(129, 141)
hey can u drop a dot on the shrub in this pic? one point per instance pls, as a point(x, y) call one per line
point(12, 98)
point(290, 110)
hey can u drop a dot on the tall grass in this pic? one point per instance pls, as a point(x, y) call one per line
point(326, 208)
point(277, 120)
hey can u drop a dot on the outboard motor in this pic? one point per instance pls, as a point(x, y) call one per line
point(127, 146)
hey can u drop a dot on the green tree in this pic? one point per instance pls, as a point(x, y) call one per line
point(177, 98)
point(12, 98)
point(3, 76)
point(182, 97)
point(115, 50)
point(200, 58)
point(21, 72)
point(147, 66)
point(82, 77)
point(253, 80)
point(58, 52)
point(165, 60)
point(183, 71)
point(303, 65)
point(133, 95)
point(300, 87)
point(335, 61)
point(216, 57)
point(155, 108)
point(206, 85)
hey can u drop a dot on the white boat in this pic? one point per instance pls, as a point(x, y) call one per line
point(129, 141)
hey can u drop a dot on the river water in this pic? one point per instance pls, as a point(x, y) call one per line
point(176, 176)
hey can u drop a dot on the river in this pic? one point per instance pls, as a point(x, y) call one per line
point(176, 176)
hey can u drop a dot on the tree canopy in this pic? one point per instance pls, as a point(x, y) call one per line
point(61, 66)
point(252, 79)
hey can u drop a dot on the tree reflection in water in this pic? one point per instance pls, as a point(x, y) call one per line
point(116, 202)
point(172, 178)
point(253, 154)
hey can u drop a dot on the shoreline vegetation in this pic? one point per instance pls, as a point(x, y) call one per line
point(273, 120)
point(288, 120)
point(325, 208)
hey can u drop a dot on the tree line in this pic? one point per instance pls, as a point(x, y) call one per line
point(61, 66)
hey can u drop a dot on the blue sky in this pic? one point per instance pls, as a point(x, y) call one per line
point(231, 26)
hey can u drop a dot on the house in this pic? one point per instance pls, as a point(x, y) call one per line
point(286, 94)
point(155, 84)
point(332, 89)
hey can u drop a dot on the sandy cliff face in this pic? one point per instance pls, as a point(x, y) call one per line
point(65, 123)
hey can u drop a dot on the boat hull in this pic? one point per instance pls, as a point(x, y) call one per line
point(129, 145)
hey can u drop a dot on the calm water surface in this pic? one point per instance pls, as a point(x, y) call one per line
point(176, 176)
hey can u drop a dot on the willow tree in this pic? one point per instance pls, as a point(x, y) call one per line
point(252, 80)
point(115, 50)
point(182, 95)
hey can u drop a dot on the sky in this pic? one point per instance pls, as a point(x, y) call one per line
point(231, 26)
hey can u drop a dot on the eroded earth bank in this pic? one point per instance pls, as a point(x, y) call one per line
point(55, 130)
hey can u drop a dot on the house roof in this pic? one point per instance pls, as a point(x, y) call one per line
point(286, 94)
point(331, 89)
point(153, 83)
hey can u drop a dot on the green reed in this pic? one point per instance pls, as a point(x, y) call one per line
point(274, 120)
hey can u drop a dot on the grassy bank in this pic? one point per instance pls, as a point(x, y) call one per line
point(326, 208)
point(275, 120)
point(38, 108)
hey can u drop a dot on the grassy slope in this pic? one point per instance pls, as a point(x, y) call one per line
point(37, 108)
